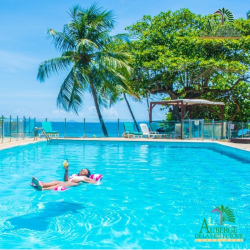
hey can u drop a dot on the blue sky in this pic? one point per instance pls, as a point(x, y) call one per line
point(23, 45)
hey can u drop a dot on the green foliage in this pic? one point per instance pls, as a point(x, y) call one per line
point(170, 57)
point(226, 30)
point(248, 15)
point(169, 116)
point(90, 55)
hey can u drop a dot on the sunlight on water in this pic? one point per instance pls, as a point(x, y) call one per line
point(153, 195)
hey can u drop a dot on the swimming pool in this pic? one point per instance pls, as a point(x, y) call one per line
point(153, 195)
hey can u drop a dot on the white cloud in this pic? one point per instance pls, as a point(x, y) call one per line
point(110, 113)
point(14, 62)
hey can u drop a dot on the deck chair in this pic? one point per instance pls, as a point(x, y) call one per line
point(146, 132)
point(153, 127)
point(177, 131)
point(48, 129)
point(129, 130)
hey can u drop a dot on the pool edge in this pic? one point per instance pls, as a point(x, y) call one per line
point(244, 147)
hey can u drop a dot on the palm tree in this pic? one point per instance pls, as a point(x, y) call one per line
point(131, 112)
point(248, 15)
point(89, 54)
point(226, 15)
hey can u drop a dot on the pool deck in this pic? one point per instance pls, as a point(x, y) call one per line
point(11, 144)
point(15, 143)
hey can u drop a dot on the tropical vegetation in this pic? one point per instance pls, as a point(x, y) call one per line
point(173, 58)
point(171, 55)
point(90, 55)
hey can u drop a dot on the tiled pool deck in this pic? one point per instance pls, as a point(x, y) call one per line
point(242, 146)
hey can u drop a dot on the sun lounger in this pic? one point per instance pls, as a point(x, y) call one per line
point(129, 130)
point(153, 127)
point(146, 132)
point(48, 129)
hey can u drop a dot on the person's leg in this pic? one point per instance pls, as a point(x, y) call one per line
point(45, 185)
point(68, 184)
point(63, 184)
point(52, 183)
point(37, 183)
point(51, 187)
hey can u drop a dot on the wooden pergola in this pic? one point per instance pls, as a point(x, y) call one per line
point(183, 103)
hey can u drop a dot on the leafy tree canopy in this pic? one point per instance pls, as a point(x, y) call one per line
point(172, 57)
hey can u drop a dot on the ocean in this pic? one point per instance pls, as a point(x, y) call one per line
point(90, 129)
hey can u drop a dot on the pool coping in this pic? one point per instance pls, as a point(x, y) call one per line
point(245, 147)
point(12, 144)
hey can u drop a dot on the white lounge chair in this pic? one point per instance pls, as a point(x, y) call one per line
point(146, 132)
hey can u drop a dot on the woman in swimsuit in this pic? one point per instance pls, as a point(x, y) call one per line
point(74, 180)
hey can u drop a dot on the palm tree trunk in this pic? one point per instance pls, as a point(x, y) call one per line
point(93, 90)
point(130, 110)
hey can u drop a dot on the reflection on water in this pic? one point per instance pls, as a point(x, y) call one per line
point(39, 221)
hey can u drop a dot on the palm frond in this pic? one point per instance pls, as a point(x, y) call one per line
point(71, 92)
point(61, 40)
point(86, 45)
point(114, 60)
point(52, 66)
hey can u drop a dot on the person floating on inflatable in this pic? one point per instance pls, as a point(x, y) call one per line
point(74, 180)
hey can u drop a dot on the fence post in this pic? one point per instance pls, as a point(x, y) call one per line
point(118, 135)
point(101, 128)
point(10, 128)
point(65, 128)
point(34, 128)
point(29, 126)
point(23, 127)
point(84, 127)
point(242, 126)
point(190, 129)
point(17, 124)
point(212, 129)
point(182, 129)
point(229, 134)
point(2, 128)
point(202, 131)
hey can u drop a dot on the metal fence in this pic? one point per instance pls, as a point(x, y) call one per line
point(21, 128)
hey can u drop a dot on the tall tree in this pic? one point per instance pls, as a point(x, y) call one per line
point(89, 54)
point(172, 58)
point(248, 15)
point(131, 112)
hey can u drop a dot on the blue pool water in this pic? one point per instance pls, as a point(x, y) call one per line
point(153, 195)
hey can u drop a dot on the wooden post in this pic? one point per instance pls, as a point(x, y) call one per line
point(182, 120)
point(150, 113)
point(190, 112)
point(222, 108)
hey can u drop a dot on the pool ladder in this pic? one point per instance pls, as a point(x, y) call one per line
point(43, 132)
